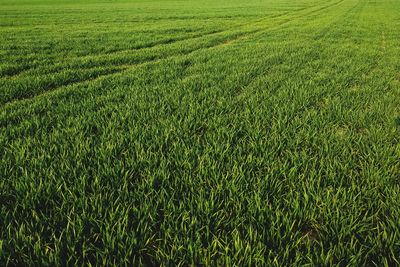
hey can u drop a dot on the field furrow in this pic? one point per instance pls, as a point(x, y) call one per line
point(46, 80)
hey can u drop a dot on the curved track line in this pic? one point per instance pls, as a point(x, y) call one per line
point(129, 67)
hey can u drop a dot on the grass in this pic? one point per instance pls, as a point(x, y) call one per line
point(234, 133)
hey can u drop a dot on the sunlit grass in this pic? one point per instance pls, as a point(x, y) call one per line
point(233, 133)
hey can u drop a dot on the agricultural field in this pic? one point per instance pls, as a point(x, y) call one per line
point(203, 133)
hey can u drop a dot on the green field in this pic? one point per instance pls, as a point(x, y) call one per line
point(216, 133)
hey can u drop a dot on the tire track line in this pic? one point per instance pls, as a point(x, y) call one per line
point(168, 42)
point(129, 67)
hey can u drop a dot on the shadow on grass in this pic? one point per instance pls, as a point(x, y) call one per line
point(397, 121)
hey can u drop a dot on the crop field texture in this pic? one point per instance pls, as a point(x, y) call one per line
point(216, 133)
